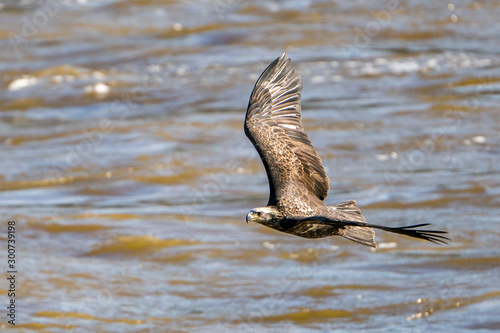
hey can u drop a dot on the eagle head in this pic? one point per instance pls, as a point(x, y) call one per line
point(268, 216)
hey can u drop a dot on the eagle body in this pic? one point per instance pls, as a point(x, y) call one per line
point(298, 184)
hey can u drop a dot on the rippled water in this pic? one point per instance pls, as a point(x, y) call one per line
point(126, 169)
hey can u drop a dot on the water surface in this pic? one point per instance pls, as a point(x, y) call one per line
point(126, 169)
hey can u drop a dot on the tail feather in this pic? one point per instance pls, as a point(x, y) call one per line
point(360, 235)
point(348, 211)
point(355, 228)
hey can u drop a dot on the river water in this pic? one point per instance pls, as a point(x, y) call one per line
point(128, 175)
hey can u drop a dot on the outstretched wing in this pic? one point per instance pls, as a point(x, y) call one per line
point(273, 124)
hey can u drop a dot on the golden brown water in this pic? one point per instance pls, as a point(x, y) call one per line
point(126, 169)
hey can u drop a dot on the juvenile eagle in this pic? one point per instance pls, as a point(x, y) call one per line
point(298, 182)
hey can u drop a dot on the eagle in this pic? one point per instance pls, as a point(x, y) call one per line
point(298, 183)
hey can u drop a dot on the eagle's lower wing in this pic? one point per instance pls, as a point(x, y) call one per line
point(273, 124)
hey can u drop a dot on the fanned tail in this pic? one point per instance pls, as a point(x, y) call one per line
point(350, 212)
point(357, 230)
point(360, 235)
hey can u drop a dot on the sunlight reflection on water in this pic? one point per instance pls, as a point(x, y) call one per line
point(128, 173)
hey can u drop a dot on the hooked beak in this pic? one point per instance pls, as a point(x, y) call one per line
point(251, 216)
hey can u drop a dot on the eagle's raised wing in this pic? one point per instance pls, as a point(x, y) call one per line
point(273, 124)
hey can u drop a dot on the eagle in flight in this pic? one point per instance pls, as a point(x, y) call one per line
point(298, 182)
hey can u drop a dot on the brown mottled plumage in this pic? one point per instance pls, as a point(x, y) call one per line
point(298, 183)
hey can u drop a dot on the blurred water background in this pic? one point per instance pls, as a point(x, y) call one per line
point(126, 169)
